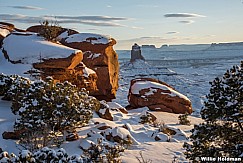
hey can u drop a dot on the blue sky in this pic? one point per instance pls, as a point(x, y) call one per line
point(155, 22)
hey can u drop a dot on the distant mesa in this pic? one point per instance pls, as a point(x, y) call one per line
point(226, 46)
point(148, 46)
point(136, 53)
point(165, 46)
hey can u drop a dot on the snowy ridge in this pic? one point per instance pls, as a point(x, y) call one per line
point(88, 37)
point(38, 48)
point(140, 85)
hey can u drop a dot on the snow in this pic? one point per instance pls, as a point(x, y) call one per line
point(6, 122)
point(94, 55)
point(63, 35)
point(140, 85)
point(30, 48)
point(88, 37)
point(114, 105)
point(7, 67)
point(87, 71)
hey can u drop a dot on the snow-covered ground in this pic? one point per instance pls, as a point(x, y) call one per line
point(165, 150)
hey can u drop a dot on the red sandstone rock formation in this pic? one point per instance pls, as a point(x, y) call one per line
point(69, 69)
point(100, 56)
point(62, 63)
point(157, 96)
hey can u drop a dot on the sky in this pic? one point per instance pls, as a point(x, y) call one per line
point(152, 22)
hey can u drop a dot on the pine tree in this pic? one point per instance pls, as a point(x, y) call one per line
point(221, 134)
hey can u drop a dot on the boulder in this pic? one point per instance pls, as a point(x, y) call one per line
point(119, 135)
point(15, 135)
point(157, 96)
point(111, 110)
point(105, 113)
point(100, 56)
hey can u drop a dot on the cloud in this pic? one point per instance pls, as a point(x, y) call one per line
point(172, 32)
point(93, 29)
point(96, 18)
point(109, 6)
point(187, 21)
point(183, 15)
point(134, 27)
point(106, 21)
point(26, 7)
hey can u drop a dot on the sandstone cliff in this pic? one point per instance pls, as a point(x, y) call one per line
point(100, 56)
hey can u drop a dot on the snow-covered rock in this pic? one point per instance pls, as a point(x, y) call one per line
point(157, 96)
point(32, 52)
point(119, 135)
point(111, 111)
point(88, 37)
point(28, 48)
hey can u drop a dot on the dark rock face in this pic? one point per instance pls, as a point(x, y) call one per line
point(157, 96)
point(136, 53)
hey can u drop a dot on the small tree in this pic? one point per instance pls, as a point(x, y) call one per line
point(48, 108)
point(146, 118)
point(43, 155)
point(5, 84)
point(50, 31)
point(183, 119)
point(101, 152)
point(221, 134)
point(13, 86)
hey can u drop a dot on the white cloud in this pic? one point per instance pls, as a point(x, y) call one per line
point(134, 27)
point(26, 7)
point(183, 15)
point(187, 21)
point(106, 21)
